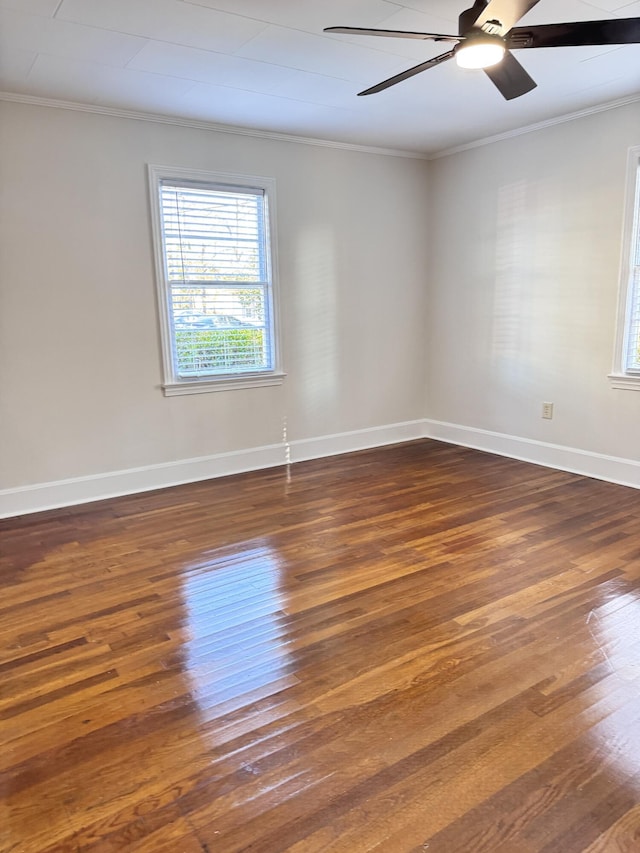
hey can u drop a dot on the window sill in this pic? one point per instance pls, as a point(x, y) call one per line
point(204, 386)
point(625, 381)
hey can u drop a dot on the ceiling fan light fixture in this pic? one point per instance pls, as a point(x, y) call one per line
point(480, 51)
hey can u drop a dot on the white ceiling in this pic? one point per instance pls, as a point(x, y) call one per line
point(266, 64)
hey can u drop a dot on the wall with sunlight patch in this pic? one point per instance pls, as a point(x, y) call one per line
point(526, 241)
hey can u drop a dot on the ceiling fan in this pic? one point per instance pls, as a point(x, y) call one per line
point(487, 34)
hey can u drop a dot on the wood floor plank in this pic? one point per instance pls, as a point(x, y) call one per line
point(414, 648)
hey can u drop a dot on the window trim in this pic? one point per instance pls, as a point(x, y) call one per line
point(173, 385)
point(621, 377)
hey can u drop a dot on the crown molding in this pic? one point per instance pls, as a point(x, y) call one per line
point(532, 128)
point(198, 124)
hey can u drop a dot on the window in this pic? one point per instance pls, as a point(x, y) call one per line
point(215, 263)
point(626, 371)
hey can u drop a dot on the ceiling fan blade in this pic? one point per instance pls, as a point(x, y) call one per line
point(506, 12)
point(399, 34)
point(618, 31)
point(510, 78)
point(404, 75)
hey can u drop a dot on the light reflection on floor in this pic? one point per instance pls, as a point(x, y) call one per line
point(236, 647)
point(614, 629)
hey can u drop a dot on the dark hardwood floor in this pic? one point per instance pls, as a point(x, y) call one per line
point(415, 648)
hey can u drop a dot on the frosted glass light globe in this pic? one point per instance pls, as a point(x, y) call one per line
point(480, 51)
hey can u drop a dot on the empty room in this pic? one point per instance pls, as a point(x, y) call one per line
point(319, 426)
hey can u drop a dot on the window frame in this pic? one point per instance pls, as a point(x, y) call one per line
point(623, 376)
point(173, 384)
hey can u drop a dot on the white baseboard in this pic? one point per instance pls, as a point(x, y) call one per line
point(361, 439)
point(614, 469)
point(79, 490)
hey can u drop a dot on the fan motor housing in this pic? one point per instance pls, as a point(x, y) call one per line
point(466, 20)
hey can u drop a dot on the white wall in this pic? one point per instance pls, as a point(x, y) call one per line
point(80, 366)
point(515, 245)
point(526, 240)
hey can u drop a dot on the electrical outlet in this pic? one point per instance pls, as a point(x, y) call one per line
point(547, 411)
